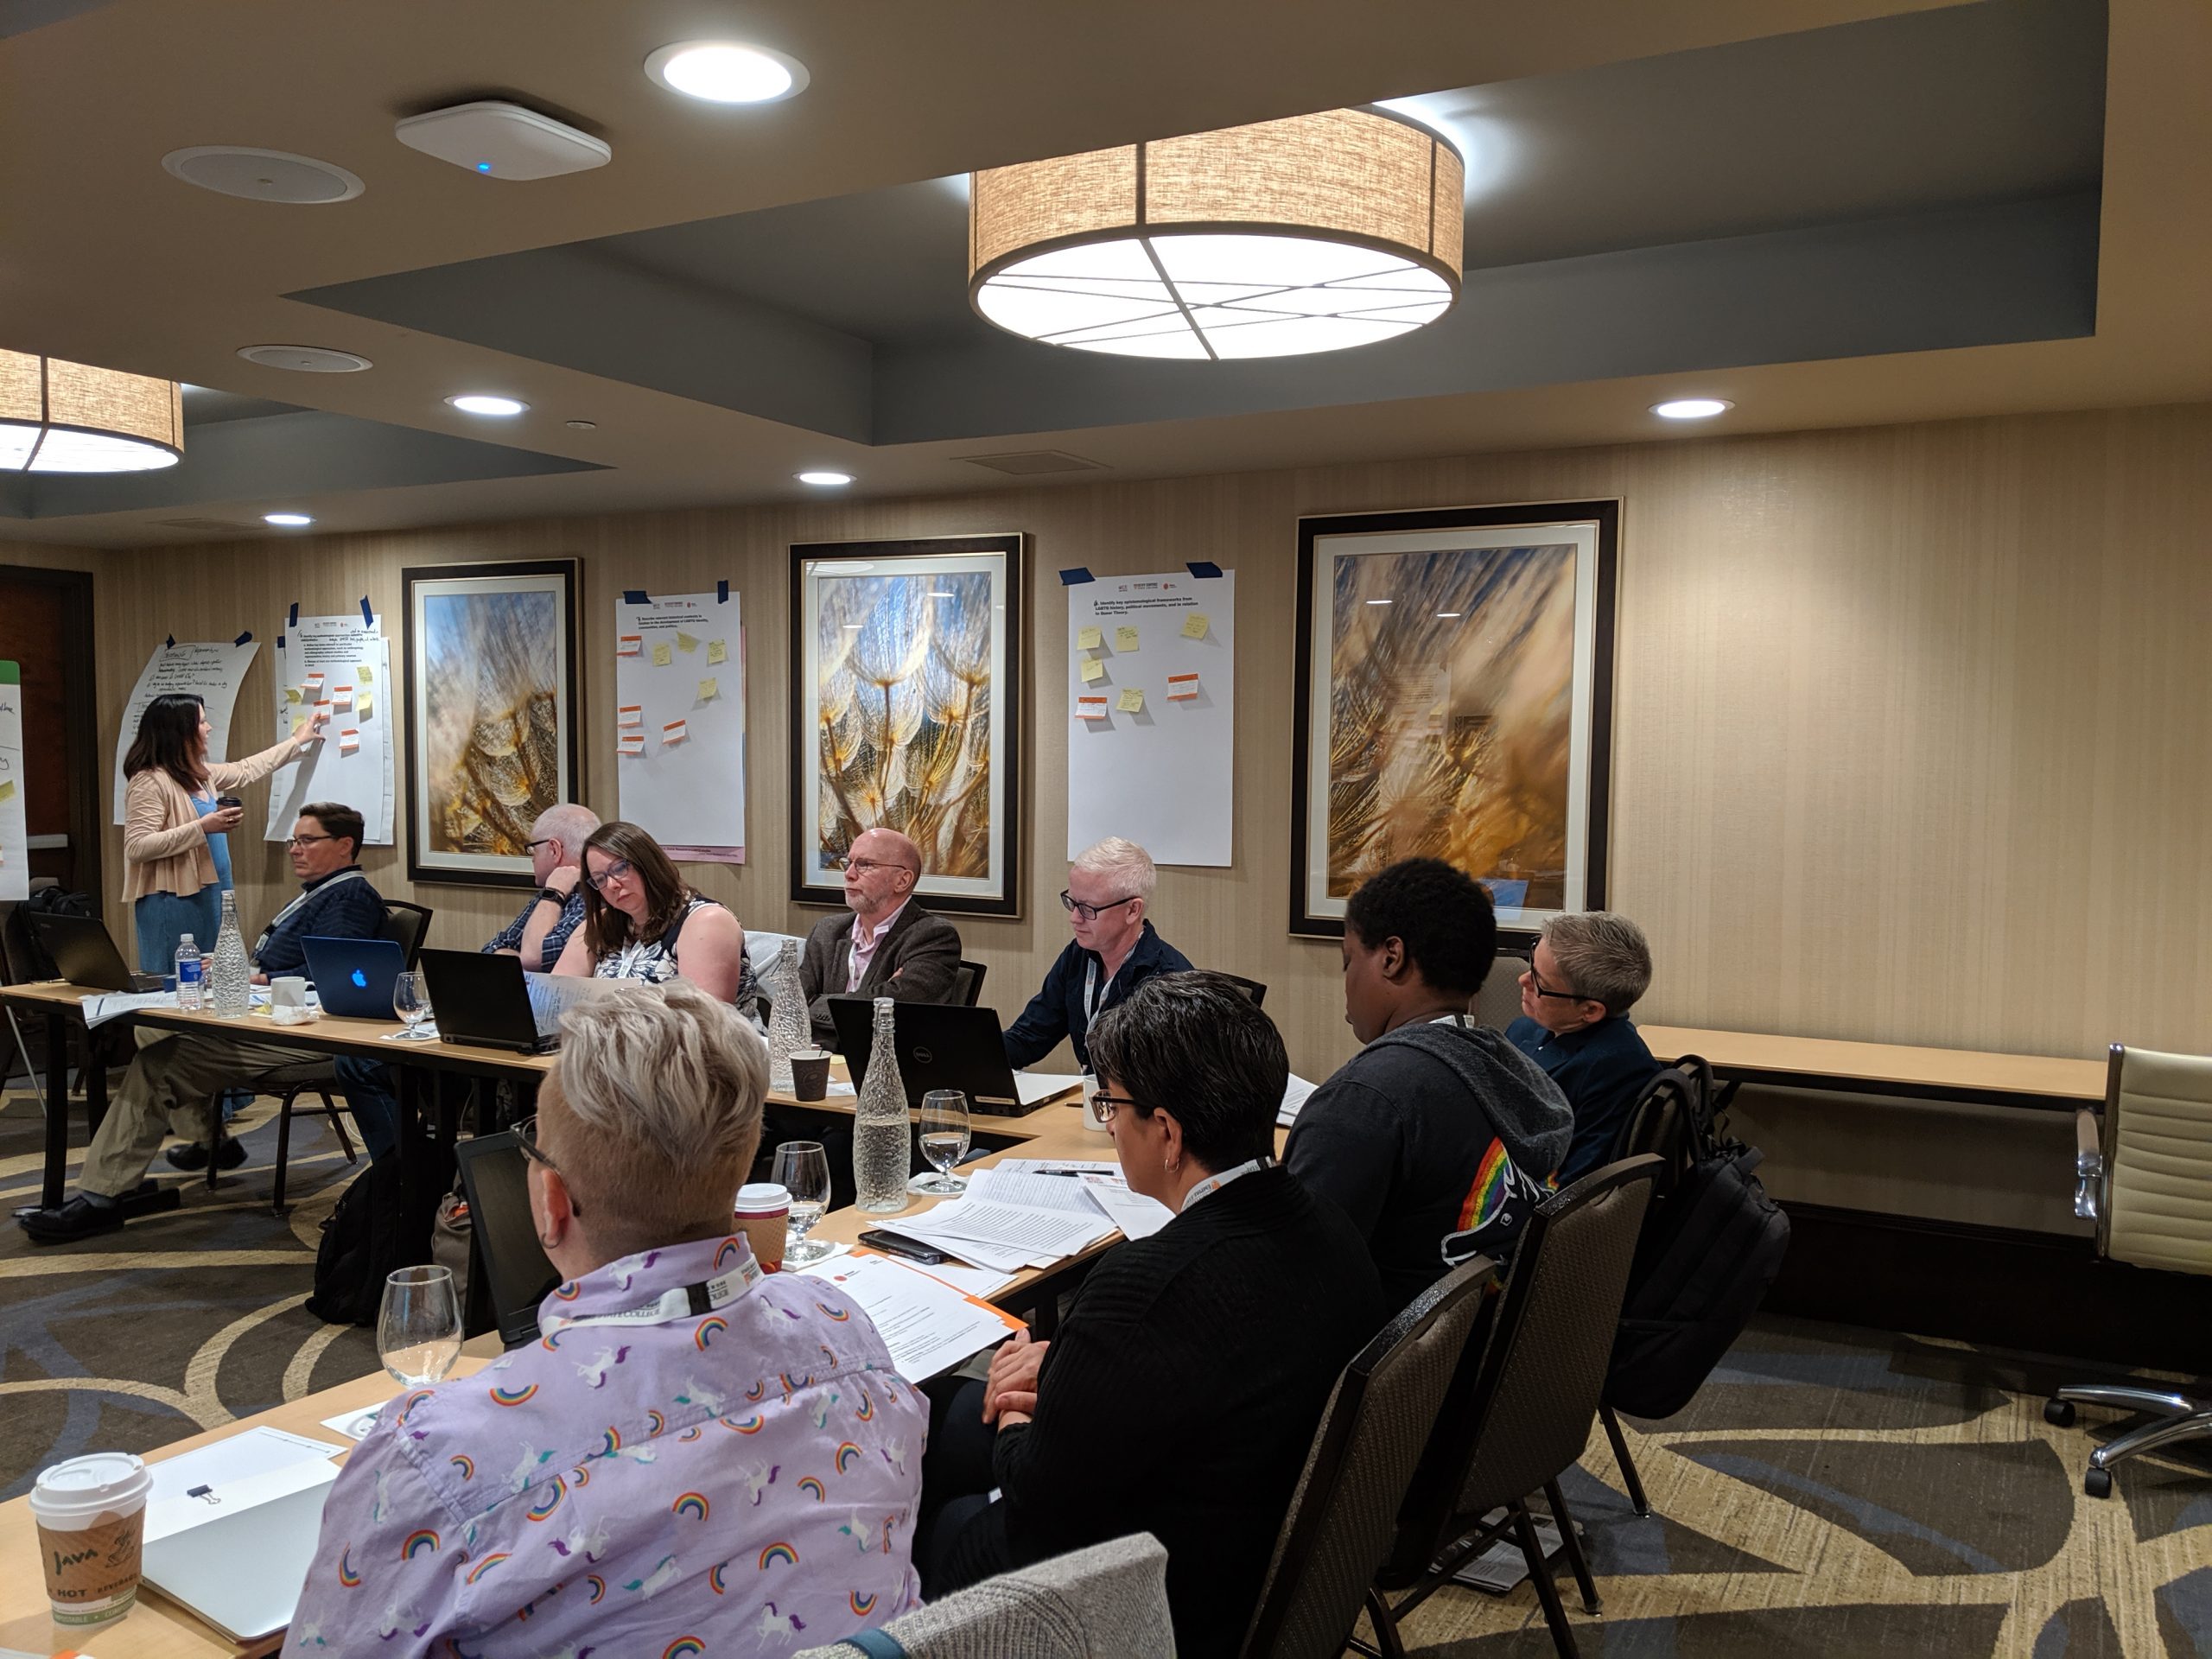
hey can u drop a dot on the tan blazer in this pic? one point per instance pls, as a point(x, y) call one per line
point(164, 850)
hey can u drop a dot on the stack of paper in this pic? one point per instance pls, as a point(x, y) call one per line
point(1009, 1220)
point(929, 1326)
point(1294, 1097)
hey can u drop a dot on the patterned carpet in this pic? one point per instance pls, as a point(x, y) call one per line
point(1833, 1492)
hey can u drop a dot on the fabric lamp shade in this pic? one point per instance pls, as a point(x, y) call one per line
point(1309, 234)
point(58, 416)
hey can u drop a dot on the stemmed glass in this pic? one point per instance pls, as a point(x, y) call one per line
point(418, 1327)
point(942, 1131)
point(802, 1169)
point(410, 995)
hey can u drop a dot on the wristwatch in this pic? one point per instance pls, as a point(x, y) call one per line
point(556, 895)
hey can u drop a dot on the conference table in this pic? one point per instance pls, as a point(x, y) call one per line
point(2029, 1082)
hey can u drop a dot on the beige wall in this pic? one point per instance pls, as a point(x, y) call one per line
point(1911, 722)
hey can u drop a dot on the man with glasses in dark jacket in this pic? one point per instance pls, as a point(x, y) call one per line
point(1115, 951)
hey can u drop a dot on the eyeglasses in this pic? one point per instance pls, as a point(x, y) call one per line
point(618, 871)
point(526, 1138)
point(304, 841)
point(863, 866)
point(1092, 912)
point(532, 846)
point(1103, 1105)
point(1538, 986)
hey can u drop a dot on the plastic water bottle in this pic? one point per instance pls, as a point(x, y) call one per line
point(789, 1029)
point(881, 1132)
point(231, 981)
point(187, 974)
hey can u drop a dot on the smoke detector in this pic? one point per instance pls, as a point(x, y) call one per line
point(500, 140)
point(262, 174)
point(306, 359)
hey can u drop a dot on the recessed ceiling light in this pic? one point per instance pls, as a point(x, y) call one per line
point(824, 480)
point(727, 71)
point(479, 402)
point(1692, 409)
point(286, 520)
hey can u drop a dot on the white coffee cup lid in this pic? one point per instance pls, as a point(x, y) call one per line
point(98, 1483)
point(761, 1197)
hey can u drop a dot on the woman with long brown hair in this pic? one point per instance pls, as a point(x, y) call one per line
point(176, 857)
point(642, 920)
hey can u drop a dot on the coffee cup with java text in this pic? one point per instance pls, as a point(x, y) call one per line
point(90, 1513)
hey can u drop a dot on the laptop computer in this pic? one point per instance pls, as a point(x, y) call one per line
point(353, 977)
point(485, 999)
point(942, 1045)
point(85, 951)
point(203, 1568)
point(494, 1176)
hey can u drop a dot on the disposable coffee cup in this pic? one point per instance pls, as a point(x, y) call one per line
point(90, 1514)
point(288, 992)
point(811, 1074)
point(764, 1211)
point(1093, 1115)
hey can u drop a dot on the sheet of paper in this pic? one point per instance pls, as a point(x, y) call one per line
point(241, 1457)
point(1125, 637)
point(15, 823)
point(633, 743)
point(332, 659)
point(1182, 688)
point(664, 655)
point(1137, 1216)
point(1194, 626)
point(102, 1006)
point(928, 1325)
point(1054, 1233)
point(1030, 1087)
point(981, 1283)
point(1058, 1166)
point(1131, 701)
point(1000, 1258)
point(1092, 709)
point(1089, 639)
point(1002, 1185)
point(1093, 671)
point(355, 1424)
point(167, 1517)
point(688, 789)
point(717, 651)
point(211, 670)
point(1294, 1097)
point(349, 740)
point(341, 698)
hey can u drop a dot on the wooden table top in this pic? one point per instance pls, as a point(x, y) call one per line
point(1883, 1065)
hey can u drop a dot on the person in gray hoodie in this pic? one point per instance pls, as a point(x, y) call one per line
point(1439, 1137)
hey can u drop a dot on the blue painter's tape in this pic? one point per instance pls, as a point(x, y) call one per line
point(368, 616)
point(721, 593)
point(171, 645)
point(636, 596)
point(1203, 567)
point(294, 620)
point(280, 642)
point(1070, 578)
point(244, 637)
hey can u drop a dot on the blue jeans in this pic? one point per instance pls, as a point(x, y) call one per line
point(159, 919)
point(368, 1086)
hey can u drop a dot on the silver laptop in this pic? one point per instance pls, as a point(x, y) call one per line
point(243, 1572)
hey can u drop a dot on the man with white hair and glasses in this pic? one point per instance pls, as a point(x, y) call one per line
point(1586, 972)
point(555, 846)
point(1114, 949)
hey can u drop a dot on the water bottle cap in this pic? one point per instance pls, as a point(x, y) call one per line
point(183, 940)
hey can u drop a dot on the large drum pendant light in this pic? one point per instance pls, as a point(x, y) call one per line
point(57, 416)
point(1310, 234)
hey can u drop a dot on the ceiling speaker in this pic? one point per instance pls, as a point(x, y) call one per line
point(305, 359)
point(262, 174)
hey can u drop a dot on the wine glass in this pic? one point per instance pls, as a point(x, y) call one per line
point(410, 995)
point(943, 1130)
point(802, 1169)
point(418, 1328)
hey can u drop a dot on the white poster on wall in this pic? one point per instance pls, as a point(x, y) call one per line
point(207, 670)
point(14, 838)
point(679, 722)
point(340, 665)
point(1152, 714)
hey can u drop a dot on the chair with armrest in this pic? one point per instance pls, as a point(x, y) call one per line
point(968, 983)
point(1497, 1004)
point(2143, 1170)
point(1251, 988)
point(1109, 1598)
point(1519, 1411)
point(407, 926)
point(1344, 1511)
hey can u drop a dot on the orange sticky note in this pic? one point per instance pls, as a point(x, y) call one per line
point(348, 740)
point(1091, 709)
point(630, 714)
point(1182, 686)
point(633, 744)
point(629, 645)
point(341, 696)
point(672, 733)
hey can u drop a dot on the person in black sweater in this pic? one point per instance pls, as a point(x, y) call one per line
point(1439, 1138)
point(1182, 1394)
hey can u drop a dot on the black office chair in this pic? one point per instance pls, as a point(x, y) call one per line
point(968, 983)
point(1251, 988)
point(407, 927)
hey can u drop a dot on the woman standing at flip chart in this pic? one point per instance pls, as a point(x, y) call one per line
point(176, 855)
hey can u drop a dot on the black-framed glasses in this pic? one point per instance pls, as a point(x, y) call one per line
point(1103, 1105)
point(620, 870)
point(1092, 912)
point(526, 1138)
point(532, 846)
point(861, 866)
point(308, 840)
point(1537, 984)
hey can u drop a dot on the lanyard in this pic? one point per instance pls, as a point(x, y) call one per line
point(285, 915)
point(684, 1301)
point(1092, 995)
point(1215, 1183)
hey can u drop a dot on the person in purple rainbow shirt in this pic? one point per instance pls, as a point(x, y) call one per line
point(695, 1457)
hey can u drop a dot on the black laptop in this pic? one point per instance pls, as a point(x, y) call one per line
point(485, 998)
point(85, 952)
point(941, 1045)
point(494, 1177)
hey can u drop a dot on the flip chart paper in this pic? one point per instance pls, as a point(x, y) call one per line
point(1093, 671)
point(1089, 639)
point(663, 656)
point(688, 787)
point(717, 651)
point(1125, 637)
point(1194, 626)
point(15, 823)
point(334, 659)
point(210, 670)
point(1130, 701)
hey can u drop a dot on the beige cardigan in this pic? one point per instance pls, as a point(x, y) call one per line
point(164, 849)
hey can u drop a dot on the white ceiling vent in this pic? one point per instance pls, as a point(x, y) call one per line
point(262, 174)
point(1034, 463)
point(208, 526)
point(305, 359)
point(502, 140)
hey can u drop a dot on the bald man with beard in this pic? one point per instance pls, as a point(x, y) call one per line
point(887, 945)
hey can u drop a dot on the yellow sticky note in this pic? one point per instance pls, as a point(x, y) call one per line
point(1125, 637)
point(1090, 639)
point(364, 674)
point(291, 694)
point(663, 656)
point(7, 789)
point(364, 704)
point(1131, 702)
point(687, 642)
point(1093, 670)
point(710, 690)
point(1195, 626)
point(717, 651)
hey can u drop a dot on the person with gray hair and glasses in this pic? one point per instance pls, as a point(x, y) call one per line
point(1588, 969)
point(1191, 1367)
point(1114, 949)
point(540, 930)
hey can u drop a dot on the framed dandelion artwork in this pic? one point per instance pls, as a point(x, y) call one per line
point(906, 707)
point(492, 695)
point(1454, 701)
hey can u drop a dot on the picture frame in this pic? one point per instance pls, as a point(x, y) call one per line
point(1454, 691)
point(906, 712)
point(493, 713)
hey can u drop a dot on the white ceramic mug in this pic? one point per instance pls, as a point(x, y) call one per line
point(1091, 1119)
point(288, 992)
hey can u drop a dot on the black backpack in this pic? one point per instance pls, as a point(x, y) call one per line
point(378, 1225)
point(1712, 1245)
